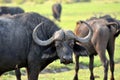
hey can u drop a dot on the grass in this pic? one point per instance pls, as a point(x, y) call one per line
point(73, 12)
point(70, 14)
point(83, 74)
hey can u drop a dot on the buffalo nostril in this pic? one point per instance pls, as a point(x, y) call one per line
point(67, 58)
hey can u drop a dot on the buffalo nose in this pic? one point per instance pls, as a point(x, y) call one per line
point(67, 59)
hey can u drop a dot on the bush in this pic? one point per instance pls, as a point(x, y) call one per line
point(39, 1)
point(85, 0)
point(5, 1)
point(18, 1)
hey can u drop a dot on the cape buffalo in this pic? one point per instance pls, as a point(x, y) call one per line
point(26, 43)
point(10, 10)
point(105, 31)
point(56, 10)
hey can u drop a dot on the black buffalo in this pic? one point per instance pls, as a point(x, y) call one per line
point(56, 10)
point(105, 31)
point(26, 43)
point(10, 10)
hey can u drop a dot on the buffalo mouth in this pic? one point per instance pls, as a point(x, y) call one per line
point(66, 61)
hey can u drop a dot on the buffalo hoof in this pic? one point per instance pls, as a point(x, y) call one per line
point(112, 79)
point(92, 78)
point(75, 78)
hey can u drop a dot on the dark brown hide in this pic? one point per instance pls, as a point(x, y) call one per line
point(104, 31)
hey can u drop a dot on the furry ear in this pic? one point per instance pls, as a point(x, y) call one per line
point(115, 25)
point(80, 51)
point(49, 52)
point(112, 23)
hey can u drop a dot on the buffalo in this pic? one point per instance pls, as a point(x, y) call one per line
point(105, 30)
point(56, 10)
point(32, 41)
point(10, 10)
point(7, 11)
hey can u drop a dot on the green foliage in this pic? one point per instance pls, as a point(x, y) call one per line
point(53, 1)
point(73, 1)
point(5, 1)
point(39, 1)
point(85, 0)
point(18, 1)
point(1, 1)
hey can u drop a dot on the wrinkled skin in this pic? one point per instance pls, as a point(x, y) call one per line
point(26, 43)
point(105, 31)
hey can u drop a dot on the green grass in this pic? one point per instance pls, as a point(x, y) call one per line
point(83, 75)
point(70, 14)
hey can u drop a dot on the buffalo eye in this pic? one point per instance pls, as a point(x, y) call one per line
point(58, 45)
point(71, 44)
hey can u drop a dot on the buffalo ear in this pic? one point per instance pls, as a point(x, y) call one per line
point(49, 52)
point(80, 51)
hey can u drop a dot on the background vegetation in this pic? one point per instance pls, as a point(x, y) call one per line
point(42, 1)
point(63, 1)
point(71, 13)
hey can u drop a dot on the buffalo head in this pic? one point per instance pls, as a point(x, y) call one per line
point(65, 43)
point(113, 23)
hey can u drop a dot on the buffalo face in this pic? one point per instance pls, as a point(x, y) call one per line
point(64, 42)
point(64, 49)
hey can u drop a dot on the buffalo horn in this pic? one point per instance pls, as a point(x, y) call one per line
point(88, 37)
point(37, 40)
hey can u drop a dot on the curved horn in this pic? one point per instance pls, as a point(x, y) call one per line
point(37, 40)
point(88, 37)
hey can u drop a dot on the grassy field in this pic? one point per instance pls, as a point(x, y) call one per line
point(83, 75)
point(70, 14)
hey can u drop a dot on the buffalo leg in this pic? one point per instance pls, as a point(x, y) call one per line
point(33, 72)
point(104, 63)
point(91, 65)
point(100, 47)
point(18, 74)
point(110, 49)
point(76, 67)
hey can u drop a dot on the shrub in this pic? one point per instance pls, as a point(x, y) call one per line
point(18, 1)
point(39, 1)
point(5, 1)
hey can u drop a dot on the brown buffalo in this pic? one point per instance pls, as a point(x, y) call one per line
point(105, 31)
